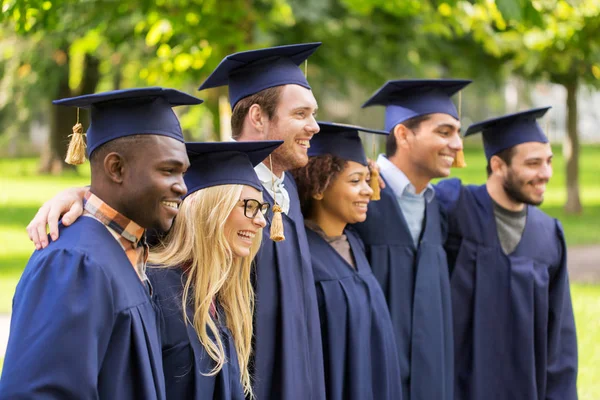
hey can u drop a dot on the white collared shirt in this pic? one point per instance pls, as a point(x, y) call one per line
point(274, 186)
point(411, 203)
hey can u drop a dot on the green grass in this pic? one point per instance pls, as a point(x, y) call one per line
point(586, 304)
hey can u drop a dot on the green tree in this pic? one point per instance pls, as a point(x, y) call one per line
point(558, 42)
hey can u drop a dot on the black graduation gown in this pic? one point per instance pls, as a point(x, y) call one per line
point(83, 324)
point(513, 320)
point(184, 358)
point(416, 285)
point(287, 337)
point(359, 348)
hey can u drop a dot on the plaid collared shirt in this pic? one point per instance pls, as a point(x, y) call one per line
point(129, 234)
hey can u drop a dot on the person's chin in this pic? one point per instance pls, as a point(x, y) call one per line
point(241, 250)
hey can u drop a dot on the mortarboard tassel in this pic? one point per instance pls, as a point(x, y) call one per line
point(459, 160)
point(277, 220)
point(374, 183)
point(277, 224)
point(76, 150)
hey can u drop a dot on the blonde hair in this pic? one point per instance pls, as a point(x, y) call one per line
point(198, 242)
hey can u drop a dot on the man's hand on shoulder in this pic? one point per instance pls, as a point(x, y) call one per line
point(68, 204)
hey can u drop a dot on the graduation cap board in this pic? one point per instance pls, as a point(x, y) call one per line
point(340, 140)
point(226, 163)
point(127, 112)
point(510, 130)
point(343, 141)
point(249, 72)
point(406, 99)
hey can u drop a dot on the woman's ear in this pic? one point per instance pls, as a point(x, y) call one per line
point(318, 196)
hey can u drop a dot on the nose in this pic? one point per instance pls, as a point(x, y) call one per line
point(313, 127)
point(456, 142)
point(366, 189)
point(179, 187)
point(259, 220)
point(546, 171)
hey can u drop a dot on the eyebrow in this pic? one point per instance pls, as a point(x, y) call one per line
point(174, 161)
point(359, 173)
point(307, 108)
point(538, 158)
point(447, 125)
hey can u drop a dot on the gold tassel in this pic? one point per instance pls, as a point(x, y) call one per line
point(375, 185)
point(76, 151)
point(277, 224)
point(277, 221)
point(459, 160)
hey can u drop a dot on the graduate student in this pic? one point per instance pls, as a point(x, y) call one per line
point(271, 100)
point(359, 348)
point(514, 330)
point(403, 232)
point(203, 266)
point(83, 324)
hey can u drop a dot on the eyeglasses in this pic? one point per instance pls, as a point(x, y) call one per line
point(252, 207)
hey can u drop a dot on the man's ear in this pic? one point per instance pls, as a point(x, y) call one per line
point(114, 167)
point(256, 117)
point(401, 133)
point(498, 166)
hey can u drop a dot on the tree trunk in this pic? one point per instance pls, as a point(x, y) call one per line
point(61, 121)
point(571, 151)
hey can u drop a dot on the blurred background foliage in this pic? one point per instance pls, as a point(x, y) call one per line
point(58, 48)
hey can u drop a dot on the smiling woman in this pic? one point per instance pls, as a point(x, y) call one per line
point(358, 339)
point(201, 274)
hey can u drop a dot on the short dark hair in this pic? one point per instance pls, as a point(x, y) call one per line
point(121, 145)
point(505, 155)
point(413, 124)
point(267, 99)
point(315, 177)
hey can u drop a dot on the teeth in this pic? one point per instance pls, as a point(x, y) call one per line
point(246, 234)
point(171, 204)
point(449, 158)
point(303, 142)
point(362, 205)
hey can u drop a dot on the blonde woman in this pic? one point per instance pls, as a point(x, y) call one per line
point(201, 273)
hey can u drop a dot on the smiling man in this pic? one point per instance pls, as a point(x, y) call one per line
point(403, 232)
point(83, 324)
point(514, 329)
point(272, 100)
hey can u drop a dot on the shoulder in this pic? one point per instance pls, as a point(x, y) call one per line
point(547, 227)
point(353, 235)
point(167, 283)
point(447, 192)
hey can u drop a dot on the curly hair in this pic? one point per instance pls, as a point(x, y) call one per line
point(315, 177)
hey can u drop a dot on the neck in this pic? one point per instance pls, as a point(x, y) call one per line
point(110, 196)
point(276, 169)
point(415, 177)
point(498, 194)
point(331, 225)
